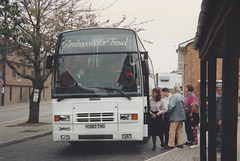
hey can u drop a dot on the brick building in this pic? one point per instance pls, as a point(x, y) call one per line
point(189, 67)
point(15, 89)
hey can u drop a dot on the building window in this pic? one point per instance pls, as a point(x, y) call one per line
point(20, 93)
point(43, 92)
point(13, 74)
point(32, 73)
point(1, 73)
point(24, 71)
point(29, 91)
point(10, 96)
point(180, 62)
point(164, 78)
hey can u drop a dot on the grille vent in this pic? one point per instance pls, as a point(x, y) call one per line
point(95, 117)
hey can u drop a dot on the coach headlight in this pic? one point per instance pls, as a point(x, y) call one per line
point(62, 117)
point(129, 116)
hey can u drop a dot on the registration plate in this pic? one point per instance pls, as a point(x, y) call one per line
point(95, 126)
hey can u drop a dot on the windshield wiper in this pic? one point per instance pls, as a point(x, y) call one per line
point(105, 88)
point(62, 98)
point(114, 89)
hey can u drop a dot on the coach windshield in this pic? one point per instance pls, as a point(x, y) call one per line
point(105, 75)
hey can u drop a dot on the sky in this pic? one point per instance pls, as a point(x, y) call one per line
point(174, 22)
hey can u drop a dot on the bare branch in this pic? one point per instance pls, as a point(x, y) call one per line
point(17, 72)
point(47, 75)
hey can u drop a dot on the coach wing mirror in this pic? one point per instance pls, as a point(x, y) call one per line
point(145, 68)
point(49, 62)
point(144, 55)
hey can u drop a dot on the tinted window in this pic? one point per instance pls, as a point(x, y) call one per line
point(95, 74)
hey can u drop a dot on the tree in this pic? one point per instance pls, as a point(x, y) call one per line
point(30, 29)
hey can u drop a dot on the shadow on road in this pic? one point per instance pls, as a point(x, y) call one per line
point(101, 148)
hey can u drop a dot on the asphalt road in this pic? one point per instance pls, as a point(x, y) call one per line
point(45, 149)
point(11, 114)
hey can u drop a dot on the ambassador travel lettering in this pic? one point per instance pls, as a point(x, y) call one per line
point(108, 42)
point(117, 43)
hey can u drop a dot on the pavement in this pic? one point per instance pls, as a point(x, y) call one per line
point(10, 133)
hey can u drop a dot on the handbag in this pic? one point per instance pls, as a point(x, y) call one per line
point(154, 116)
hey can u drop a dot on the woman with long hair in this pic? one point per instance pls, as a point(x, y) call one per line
point(157, 108)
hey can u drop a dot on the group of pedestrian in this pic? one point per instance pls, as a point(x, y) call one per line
point(168, 115)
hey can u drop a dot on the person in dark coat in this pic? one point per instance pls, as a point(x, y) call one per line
point(126, 79)
point(157, 109)
point(167, 96)
point(79, 76)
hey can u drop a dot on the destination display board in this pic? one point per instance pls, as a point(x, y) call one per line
point(95, 41)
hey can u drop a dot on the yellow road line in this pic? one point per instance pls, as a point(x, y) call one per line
point(23, 118)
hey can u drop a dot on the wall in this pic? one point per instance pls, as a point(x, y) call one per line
point(18, 89)
point(192, 69)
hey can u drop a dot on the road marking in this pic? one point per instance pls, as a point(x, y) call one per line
point(23, 118)
point(13, 108)
point(156, 157)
